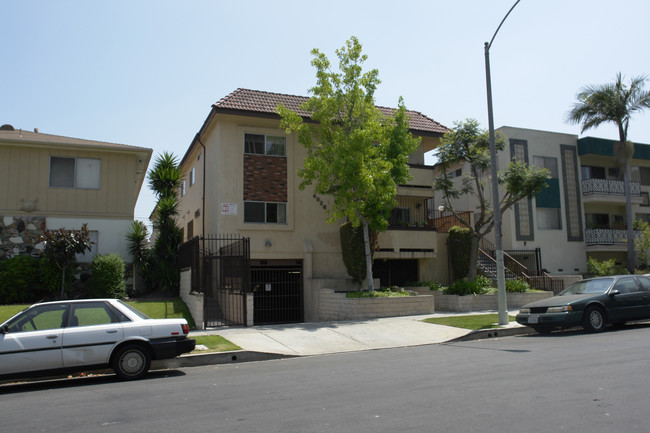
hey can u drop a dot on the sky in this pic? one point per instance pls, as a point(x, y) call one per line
point(145, 73)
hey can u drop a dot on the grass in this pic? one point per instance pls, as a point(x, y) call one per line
point(472, 321)
point(214, 343)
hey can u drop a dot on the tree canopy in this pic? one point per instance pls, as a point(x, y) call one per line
point(468, 144)
point(355, 153)
point(614, 103)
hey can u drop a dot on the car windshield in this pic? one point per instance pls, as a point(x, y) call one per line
point(134, 310)
point(588, 286)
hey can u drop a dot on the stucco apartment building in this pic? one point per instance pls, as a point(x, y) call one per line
point(582, 212)
point(240, 177)
point(51, 182)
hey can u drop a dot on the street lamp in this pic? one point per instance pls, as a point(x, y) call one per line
point(501, 279)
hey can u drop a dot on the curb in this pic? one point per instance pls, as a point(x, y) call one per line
point(215, 358)
point(483, 334)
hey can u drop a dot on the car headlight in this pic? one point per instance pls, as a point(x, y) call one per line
point(562, 309)
point(524, 311)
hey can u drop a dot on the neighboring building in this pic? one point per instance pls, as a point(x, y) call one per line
point(240, 177)
point(581, 213)
point(51, 182)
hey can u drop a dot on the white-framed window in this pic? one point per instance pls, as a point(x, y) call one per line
point(182, 188)
point(260, 144)
point(193, 176)
point(548, 218)
point(82, 173)
point(265, 212)
point(88, 256)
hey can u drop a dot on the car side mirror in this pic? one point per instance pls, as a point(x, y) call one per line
point(4, 329)
point(614, 293)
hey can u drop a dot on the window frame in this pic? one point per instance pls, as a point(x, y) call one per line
point(267, 146)
point(266, 205)
point(75, 173)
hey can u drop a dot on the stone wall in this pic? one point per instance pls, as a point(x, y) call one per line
point(484, 302)
point(336, 306)
point(193, 300)
point(19, 235)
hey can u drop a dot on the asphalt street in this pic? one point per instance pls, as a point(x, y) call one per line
point(567, 381)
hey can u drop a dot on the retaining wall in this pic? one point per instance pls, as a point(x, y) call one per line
point(336, 306)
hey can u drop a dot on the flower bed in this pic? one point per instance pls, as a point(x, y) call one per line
point(337, 306)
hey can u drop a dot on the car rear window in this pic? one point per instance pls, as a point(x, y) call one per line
point(134, 310)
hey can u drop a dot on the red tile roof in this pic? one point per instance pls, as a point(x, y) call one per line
point(258, 102)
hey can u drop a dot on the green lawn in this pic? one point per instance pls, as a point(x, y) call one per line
point(214, 343)
point(472, 321)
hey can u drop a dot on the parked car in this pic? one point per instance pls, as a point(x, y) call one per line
point(591, 303)
point(83, 334)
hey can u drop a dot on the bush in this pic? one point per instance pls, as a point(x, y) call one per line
point(460, 244)
point(462, 287)
point(353, 250)
point(19, 280)
point(604, 268)
point(517, 286)
point(107, 280)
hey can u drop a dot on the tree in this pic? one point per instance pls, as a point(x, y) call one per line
point(355, 154)
point(642, 241)
point(614, 103)
point(467, 143)
point(62, 245)
point(165, 179)
point(140, 253)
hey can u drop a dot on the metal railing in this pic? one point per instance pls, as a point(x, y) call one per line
point(609, 187)
point(606, 237)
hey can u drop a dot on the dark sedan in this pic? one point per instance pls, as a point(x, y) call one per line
point(592, 304)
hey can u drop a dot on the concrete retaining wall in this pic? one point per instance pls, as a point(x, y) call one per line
point(336, 306)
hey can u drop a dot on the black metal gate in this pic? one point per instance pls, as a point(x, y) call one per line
point(278, 290)
point(221, 270)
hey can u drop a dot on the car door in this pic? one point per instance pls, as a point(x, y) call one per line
point(645, 290)
point(33, 340)
point(627, 303)
point(92, 332)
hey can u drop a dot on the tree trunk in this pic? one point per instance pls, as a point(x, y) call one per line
point(628, 211)
point(473, 258)
point(366, 241)
point(62, 283)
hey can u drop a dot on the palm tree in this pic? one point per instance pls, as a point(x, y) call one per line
point(614, 103)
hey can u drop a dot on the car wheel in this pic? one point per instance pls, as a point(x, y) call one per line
point(594, 320)
point(131, 362)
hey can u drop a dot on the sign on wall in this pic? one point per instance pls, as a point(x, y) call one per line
point(228, 208)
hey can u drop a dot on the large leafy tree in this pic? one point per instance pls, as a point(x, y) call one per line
point(355, 154)
point(614, 103)
point(468, 144)
point(165, 180)
point(61, 247)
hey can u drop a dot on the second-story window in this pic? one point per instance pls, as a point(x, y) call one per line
point(193, 176)
point(82, 173)
point(261, 144)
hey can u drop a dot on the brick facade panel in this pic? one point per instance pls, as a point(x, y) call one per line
point(265, 178)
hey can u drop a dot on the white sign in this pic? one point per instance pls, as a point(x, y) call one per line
point(267, 287)
point(228, 208)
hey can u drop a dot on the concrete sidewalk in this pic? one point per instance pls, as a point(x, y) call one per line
point(306, 339)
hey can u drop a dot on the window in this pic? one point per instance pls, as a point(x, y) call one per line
point(265, 212)
point(82, 173)
point(182, 188)
point(88, 256)
point(91, 313)
point(548, 218)
point(645, 175)
point(260, 144)
point(39, 318)
point(589, 172)
point(190, 230)
point(546, 162)
point(193, 176)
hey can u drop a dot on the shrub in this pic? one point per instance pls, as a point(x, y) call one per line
point(19, 280)
point(517, 286)
point(460, 244)
point(353, 250)
point(604, 268)
point(462, 287)
point(107, 280)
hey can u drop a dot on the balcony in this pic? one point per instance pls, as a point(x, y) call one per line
point(609, 191)
point(610, 239)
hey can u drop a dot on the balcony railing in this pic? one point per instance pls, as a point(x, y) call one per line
point(609, 187)
point(606, 237)
point(419, 213)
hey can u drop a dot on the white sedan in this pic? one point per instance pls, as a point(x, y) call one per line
point(82, 334)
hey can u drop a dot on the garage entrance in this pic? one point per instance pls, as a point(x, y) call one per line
point(278, 291)
point(395, 272)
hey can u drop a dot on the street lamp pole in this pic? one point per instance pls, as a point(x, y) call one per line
point(498, 242)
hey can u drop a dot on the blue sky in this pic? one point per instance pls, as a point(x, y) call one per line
point(145, 73)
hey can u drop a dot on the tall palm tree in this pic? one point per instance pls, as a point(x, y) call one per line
point(614, 103)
